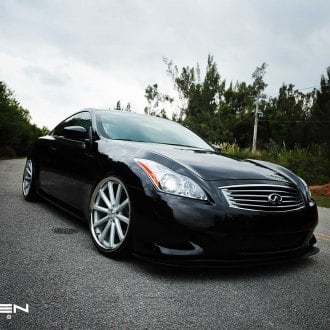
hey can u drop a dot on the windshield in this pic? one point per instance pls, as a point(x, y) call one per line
point(142, 128)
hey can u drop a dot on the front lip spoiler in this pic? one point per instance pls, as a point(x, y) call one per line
point(233, 263)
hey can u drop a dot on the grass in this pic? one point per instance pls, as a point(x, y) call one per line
point(322, 201)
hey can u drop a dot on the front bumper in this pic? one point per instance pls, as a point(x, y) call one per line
point(258, 260)
point(177, 230)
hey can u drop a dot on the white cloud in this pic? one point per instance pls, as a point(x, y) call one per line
point(55, 89)
point(59, 56)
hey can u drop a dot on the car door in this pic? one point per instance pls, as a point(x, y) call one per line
point(70, 162)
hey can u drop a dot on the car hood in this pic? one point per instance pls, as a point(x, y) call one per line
point(213, 166)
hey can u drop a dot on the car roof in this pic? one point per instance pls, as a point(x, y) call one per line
point(118, 112)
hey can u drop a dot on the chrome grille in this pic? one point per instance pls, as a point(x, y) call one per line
point(263, 197)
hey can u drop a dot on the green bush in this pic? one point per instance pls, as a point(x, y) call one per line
point(233, 150)
point(311, 163)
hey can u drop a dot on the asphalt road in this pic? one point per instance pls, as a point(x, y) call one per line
point(48, 261)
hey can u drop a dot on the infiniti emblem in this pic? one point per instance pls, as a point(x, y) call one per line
point(275, 199)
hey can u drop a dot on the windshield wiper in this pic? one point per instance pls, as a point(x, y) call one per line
point(128, 140)
point(181, 145)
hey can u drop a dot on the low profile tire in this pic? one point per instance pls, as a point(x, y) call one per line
point(111, 218)
point(29, 182)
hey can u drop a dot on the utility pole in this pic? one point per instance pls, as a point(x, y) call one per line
point(255, 127)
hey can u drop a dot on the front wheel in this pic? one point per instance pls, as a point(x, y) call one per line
point(29, 182)
point(111, 217)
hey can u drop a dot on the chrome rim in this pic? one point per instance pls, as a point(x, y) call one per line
point(27, 177)
point(110, 213)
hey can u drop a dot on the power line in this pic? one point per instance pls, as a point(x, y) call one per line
point(296, 121)
point(312, 87)
point(304, 88)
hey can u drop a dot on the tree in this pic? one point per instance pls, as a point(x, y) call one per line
point(226, 114)
point(200, 98)
point(285, 117)
point(259, 85)
point(319, 131)
point(237, 108)
point(235, 113)
point(119, 107)
point(154, 98)
point(16, 131)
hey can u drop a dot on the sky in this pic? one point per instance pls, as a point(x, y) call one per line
point(60, 56)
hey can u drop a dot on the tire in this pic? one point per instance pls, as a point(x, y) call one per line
point(111, 218)
point(29, 182)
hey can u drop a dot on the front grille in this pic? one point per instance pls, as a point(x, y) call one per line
point(263, 197)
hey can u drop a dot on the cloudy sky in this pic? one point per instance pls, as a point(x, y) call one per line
point(60, 56)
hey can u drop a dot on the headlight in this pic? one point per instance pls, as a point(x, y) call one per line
point(307, 191)
point(171, 182)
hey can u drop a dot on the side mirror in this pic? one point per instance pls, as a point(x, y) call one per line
point(78, 133)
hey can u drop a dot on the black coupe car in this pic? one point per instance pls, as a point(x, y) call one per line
point(152, 187)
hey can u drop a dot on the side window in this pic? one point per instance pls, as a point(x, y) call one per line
point(80, 119)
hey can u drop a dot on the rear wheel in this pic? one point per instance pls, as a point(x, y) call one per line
point(29, 182)
point(111, 217)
